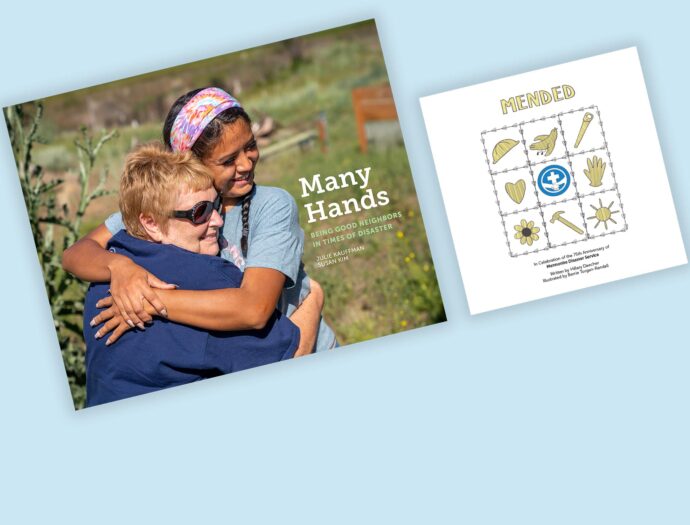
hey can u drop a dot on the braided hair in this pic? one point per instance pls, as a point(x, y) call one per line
point(246, 202)
point(207, 141)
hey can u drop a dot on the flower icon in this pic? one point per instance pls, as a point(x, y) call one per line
point(526, 232)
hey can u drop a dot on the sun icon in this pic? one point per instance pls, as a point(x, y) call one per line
point(603, 214)
point(526, 232)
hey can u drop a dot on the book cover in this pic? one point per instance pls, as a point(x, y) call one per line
point(553, 180)
point(322, 121)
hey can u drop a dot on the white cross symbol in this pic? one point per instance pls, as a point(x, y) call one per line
point(555, 179)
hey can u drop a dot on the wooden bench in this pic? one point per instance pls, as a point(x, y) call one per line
point(372, 103)
point(302, 140)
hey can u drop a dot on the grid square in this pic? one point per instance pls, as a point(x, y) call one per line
point(593, 172)
point(543, 139)
point(565, 223)
point(515, 191)
point(604, 213)
point(556, 168)
point(546, 174)
point(526, 232)
point(505, 149)
point(582, 130)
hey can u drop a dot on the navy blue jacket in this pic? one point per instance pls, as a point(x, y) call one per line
point(168, 354)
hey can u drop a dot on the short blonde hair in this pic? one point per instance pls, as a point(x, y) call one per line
point(152, 179)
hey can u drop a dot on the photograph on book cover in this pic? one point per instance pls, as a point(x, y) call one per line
point(171, 254)
point(553, 180)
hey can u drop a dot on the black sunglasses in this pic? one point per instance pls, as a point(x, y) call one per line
point(201, 212)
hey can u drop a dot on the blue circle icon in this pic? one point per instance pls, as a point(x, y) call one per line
point(553, 180)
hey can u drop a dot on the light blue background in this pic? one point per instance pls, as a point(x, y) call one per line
point(572, 409)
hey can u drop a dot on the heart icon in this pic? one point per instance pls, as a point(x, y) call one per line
point(516, 191)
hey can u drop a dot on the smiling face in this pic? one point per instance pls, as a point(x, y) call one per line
point(197, 238)
point(232, 161)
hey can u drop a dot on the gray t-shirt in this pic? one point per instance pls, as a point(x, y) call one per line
point(275, 241)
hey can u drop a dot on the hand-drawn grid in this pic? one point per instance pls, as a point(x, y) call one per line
point(579, 213)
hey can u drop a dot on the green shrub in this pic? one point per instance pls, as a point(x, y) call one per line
point(54, 228)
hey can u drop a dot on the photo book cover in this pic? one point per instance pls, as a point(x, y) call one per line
point(224, 214)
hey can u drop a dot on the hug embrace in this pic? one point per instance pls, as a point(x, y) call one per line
point(200, 273)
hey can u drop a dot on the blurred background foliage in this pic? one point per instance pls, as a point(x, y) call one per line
point(55, 227)
point(389, 287)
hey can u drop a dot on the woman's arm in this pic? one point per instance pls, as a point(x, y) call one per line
point(307, 318)
point(245, 308)
point(248, 307)
point(223, 310)
point(89, 260)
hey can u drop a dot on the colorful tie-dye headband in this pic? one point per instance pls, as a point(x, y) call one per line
point(196, 114)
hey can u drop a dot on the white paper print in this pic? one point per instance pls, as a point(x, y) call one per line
point(553, 180)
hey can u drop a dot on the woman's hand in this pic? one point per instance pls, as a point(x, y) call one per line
point(114, 323)
point(131, 288)
point(131, 285)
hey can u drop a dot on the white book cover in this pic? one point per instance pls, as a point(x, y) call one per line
point(553, 180)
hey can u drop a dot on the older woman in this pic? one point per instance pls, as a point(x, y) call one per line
point(170, 210)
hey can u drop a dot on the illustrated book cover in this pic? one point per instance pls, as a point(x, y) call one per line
point(553, 180)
